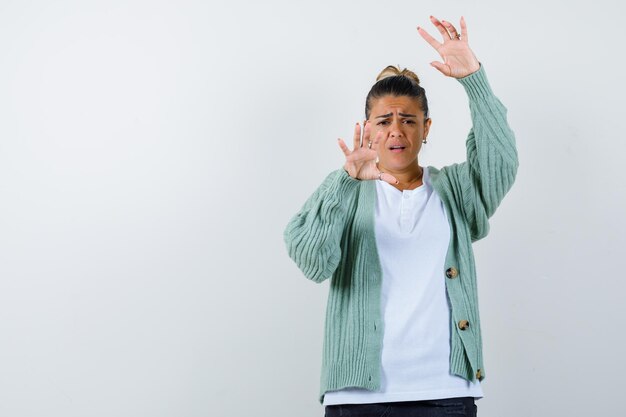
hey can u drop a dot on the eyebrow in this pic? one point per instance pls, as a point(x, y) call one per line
point(391, 114)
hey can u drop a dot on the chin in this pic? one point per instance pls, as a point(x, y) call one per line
point(397, 164)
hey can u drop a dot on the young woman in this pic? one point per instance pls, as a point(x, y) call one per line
point(402, 334)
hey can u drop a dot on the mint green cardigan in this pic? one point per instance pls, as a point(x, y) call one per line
point(333, 237)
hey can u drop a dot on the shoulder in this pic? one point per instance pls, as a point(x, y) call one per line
point(447, 180)
point(436, 175)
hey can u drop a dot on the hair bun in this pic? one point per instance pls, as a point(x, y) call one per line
point(393, 71)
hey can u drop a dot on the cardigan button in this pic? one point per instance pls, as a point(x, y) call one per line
point(452, 272)
point(478, 374)
point(463, 324)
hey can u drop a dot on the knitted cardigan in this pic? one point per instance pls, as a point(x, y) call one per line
point(333, 237)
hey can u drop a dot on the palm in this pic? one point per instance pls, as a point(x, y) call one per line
point(361, 161)
point(458, 59)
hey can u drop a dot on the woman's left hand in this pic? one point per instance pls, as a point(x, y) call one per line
point(458, 59)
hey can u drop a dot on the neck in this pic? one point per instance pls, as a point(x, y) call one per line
point(409, 177)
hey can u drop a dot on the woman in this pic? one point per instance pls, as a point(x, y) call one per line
point(402, 334)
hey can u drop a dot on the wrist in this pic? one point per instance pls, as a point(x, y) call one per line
point(350, 175)
point(474, 69)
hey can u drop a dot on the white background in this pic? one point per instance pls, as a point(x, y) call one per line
point(152, 152)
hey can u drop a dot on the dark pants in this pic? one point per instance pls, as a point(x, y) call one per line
point(459, 407)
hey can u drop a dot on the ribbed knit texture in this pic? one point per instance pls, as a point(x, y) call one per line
point(333, 237)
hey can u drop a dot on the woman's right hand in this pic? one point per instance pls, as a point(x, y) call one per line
point(361, 161)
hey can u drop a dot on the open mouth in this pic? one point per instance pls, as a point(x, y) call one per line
point(397, 148)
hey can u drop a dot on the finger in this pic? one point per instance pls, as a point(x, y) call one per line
point(464, 29)
point(432, 41)
point(357, 137)
point(450, 27)
point(367, 130)
point(343, 147)
point(440, 28)
point(383, 176)
point(443, 68)
point(376, 140)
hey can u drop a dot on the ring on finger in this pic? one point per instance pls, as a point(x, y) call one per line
point(380, 176)
point(369, 145)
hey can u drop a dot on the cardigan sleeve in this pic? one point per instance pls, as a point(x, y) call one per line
point(313, 235)
point(480, 183)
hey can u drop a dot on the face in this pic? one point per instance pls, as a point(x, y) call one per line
point(403, 126)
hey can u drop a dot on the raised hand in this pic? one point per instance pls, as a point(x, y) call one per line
point(458, 59)
point(361, 161)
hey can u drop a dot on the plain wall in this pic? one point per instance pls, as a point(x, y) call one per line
point(152, 152)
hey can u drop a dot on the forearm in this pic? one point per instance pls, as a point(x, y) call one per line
point(313, 235)
point(491, 151)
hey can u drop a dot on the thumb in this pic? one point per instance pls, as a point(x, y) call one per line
point(383, 176)
point(441, 67)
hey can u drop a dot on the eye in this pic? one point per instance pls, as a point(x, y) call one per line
point(410, 122)
point(383, 123)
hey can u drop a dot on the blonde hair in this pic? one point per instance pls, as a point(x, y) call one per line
point(394, 71)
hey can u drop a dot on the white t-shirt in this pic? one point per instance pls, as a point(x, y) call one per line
point(412, 238)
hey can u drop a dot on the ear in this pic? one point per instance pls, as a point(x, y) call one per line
point(427, 123)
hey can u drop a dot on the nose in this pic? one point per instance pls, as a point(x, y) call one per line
point(395, 130)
